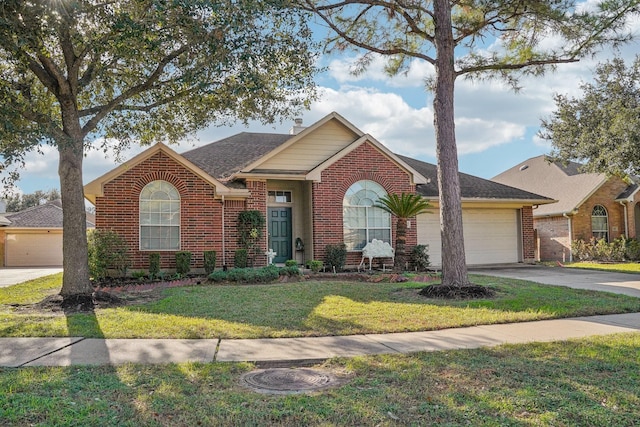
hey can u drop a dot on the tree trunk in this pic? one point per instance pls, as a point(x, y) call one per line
point(454, 267)
point(76, 287)
point(401, 245)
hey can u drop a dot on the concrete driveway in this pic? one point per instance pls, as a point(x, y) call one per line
point(619, 283)
point(14, 275)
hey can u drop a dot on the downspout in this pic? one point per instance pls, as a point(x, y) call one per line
point(224, 246)
point(570, 236)
point(626, 220)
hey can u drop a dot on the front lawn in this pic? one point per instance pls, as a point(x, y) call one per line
point(311, 308)
point(622, 267)
point(588, 382)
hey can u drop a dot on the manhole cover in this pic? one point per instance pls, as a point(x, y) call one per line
point(288, 381)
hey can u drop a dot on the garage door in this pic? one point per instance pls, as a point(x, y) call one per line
point(33, 250)
point(491, 236)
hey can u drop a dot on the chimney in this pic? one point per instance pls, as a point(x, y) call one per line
point(297, 127)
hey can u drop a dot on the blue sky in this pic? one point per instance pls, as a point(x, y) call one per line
point(496, 128)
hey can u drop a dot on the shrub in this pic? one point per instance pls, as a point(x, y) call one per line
point(336, 256)
point(209, 261)
point(251, 225)
point(107, 252)
point(581, 250)
point(291, 270)
point(247, 275)
point(600, 250)
point(154, 264)
point(240, 258)
point(314, 265)
point(183, 262)
point(291, 263)
point(218, 276)
point(632, 250)
point(419, 257)
point(140, 275)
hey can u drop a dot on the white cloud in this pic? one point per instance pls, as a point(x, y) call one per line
point(396, 111)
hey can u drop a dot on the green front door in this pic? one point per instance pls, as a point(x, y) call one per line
point(280, 233)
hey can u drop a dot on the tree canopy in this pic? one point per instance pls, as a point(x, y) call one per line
point(87, 74)
point(19, 202)
point(601, 128)
point(478, 39)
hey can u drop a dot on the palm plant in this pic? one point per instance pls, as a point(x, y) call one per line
point(403, 207)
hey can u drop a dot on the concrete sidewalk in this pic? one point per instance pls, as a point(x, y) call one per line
point(20, 352)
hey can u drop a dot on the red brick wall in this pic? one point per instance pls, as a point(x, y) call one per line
point(528, 238)
point(201, 214)
point(605, 196)
point(363, 163)
point(554, 243)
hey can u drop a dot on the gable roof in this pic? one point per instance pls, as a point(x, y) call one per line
point(246, 153)
point(564, 183)
point(95, 187)
point(222, 159)
point(47, 215)
point(473, 187)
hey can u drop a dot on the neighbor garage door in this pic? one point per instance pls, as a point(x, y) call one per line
point(33, 249)
point(491, 236)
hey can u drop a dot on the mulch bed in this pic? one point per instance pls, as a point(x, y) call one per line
point(470, 291)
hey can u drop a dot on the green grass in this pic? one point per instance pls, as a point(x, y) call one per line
point(587, 382)
point(622, 267)
point(31, 291)
point(313, 308)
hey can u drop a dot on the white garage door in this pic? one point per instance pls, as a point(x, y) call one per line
point(491, 236)
point(33, 249)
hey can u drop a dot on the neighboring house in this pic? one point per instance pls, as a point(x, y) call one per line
point(316, 186)
point(33, 237)
point(589, 205)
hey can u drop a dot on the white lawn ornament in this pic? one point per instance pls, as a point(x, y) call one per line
point(270, 256)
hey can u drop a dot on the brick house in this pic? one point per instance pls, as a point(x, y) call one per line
point(33, 236)
point(589, 205)
point(315, 185)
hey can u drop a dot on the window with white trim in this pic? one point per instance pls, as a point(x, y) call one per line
point(159, 217)
point(363, 221)
point(600, 223)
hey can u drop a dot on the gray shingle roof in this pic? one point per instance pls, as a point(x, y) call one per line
point(48, 215)
point(223, 158)
point(564, 183)
point(471, 187)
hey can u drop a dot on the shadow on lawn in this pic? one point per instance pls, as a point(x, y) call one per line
point(271, 305)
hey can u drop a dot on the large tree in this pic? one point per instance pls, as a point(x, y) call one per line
point(600, 129)
point(82, 74)
point(474, 38)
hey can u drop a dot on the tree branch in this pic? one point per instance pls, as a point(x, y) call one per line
point(133, 91)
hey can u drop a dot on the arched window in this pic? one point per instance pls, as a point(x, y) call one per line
point(600, 223)
point(363, 221)
point(159, 217)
